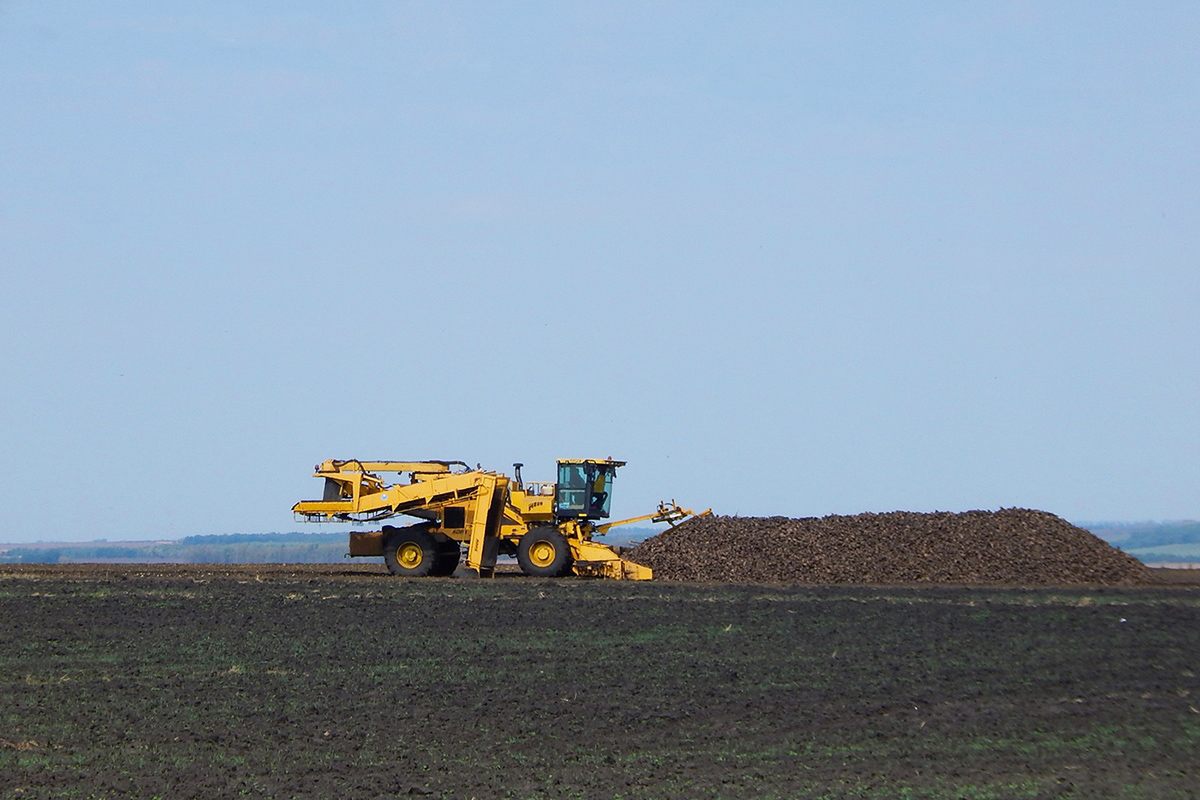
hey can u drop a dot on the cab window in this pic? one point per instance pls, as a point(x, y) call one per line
point(572, 498)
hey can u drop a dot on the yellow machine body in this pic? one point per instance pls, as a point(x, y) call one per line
point(459, 505)
point(549, 527)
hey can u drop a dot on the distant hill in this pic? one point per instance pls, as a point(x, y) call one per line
point(1152, 542)
point(628, 537)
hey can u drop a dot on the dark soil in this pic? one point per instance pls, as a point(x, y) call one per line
point(1009, 547)
point(307, 682)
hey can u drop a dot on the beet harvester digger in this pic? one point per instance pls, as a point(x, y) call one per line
point(548, 527)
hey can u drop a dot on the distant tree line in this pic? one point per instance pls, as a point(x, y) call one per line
point(257, 548)
point(330, 548)
point(269, 538)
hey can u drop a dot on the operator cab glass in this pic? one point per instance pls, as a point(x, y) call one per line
point(584, 490)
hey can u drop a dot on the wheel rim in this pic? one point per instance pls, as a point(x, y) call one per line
point(409, 555)
point(542, 554)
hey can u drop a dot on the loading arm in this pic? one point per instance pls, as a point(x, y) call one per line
point(669, 513)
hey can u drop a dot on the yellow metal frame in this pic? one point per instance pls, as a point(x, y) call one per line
point(434, 487)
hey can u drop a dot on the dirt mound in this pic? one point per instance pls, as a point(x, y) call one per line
point(1010, 546)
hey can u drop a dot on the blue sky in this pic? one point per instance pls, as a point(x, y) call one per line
point(784, 258)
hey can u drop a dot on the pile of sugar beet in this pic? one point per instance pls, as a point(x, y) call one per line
point(1012, 546)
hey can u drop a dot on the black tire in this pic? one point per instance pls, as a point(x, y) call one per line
point(448, 555)
point(410, 552)
point(544, 553)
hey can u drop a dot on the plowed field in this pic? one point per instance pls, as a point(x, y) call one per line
point(317, 682)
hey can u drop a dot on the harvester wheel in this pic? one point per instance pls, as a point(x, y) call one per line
point(410, 552)
point(544, 552)
point(448, 554)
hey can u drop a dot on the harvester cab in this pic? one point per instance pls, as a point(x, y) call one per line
point(584, 489)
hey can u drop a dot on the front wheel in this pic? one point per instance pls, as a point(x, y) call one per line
point(409, 552)
point(544, 553)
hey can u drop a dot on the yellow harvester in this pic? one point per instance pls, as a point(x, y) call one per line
point(548, 527)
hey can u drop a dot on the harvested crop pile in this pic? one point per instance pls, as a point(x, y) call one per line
point(1010, 546)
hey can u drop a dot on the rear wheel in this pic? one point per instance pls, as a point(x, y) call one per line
point(544, 552)
point(409, 552)
point(448, 554)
